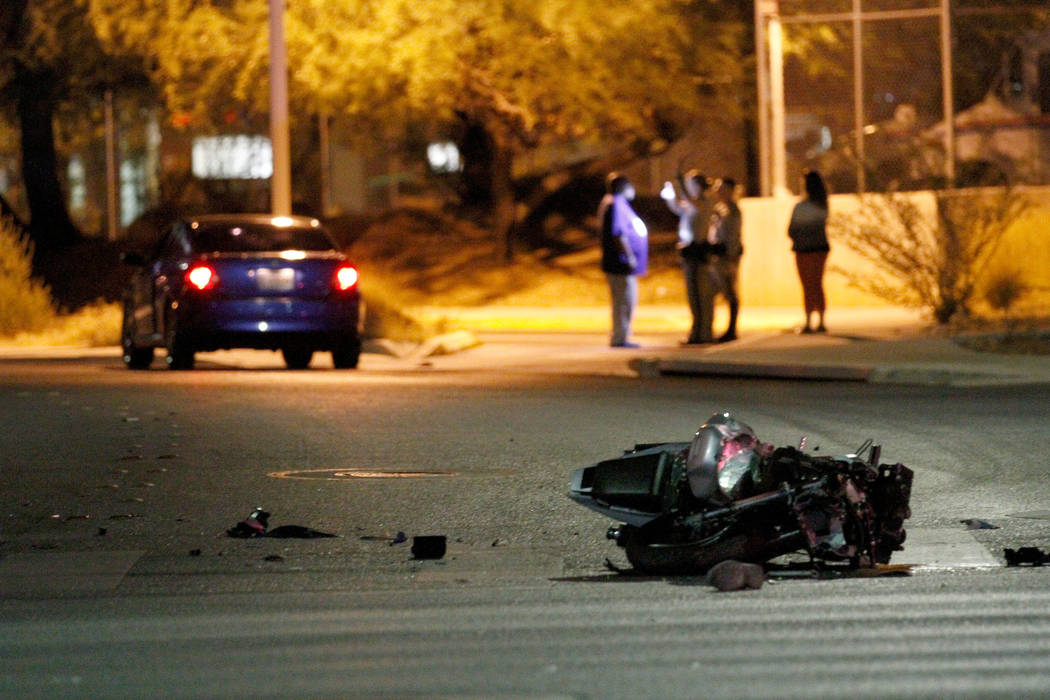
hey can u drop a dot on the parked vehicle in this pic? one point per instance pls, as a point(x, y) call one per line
point(686, 506)
point(242, 281)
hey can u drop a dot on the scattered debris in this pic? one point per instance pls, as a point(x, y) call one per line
point(101, 532)
point(732, 575)
point(252, 526)
point(975, 524)
point(1026, 555)
point(399, 538)
point(77, 517)
point(274, 557)
point(256, 524)
point(500, 542)
point(428, 546)
point(195, 552)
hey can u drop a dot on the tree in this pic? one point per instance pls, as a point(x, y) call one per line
point(51, 63)
point(499, 76)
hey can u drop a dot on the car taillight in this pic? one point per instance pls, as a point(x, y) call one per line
point(346, 278)
point(202, 277)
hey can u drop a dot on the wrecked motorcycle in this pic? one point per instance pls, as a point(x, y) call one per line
point(686, 506)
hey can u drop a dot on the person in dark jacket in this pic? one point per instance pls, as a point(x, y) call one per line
point(625, 253)
point(726, 248)
point(809, 241)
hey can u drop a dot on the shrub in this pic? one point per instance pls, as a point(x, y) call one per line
point(1003, 290)
point(933, 248)
point(25, 302)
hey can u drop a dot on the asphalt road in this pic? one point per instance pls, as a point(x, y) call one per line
point(118, 578)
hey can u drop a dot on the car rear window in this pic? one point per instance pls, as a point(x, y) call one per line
point(250, 238)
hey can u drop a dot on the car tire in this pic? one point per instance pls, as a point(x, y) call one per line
point(347, 355)
point(135, 357)
point(297, 358)
point(180, 352)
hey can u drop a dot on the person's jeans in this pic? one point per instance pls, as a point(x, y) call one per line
point(699, 290)
point(624, 292)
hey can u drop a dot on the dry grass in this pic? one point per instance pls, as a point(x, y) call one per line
point(95, 325)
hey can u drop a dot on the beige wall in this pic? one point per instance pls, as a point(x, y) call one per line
point(768, 276)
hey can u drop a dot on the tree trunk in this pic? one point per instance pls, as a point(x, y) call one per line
point(504, 202)
point(487, 179)
point(49, 226)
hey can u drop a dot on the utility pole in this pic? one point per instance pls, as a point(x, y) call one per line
point(281, 182)
point(111, 166)
point(948, 92)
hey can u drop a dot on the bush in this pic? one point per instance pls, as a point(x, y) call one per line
point(25, 302)
point(933, 248)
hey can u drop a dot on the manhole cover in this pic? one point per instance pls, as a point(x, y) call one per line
point(345, 474)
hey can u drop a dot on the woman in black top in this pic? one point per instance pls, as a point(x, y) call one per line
point(809, 240)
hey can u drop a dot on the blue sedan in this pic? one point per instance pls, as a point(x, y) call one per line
point(242, 281)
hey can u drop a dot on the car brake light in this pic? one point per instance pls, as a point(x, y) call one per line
point(346, 278)
point(202, 277)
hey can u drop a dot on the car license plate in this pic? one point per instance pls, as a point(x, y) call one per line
point(275, 280)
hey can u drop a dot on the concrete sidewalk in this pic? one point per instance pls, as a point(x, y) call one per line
point(869, 344)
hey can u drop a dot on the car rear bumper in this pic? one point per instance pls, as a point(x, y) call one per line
point(270, 324)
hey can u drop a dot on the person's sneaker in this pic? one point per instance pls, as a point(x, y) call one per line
point(625, 344)
point(730, 336)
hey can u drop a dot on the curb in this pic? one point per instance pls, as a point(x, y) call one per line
point(932, 375)
point(842, 373)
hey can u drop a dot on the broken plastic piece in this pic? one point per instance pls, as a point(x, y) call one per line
point(252, 526)
point(428, 546)
point(1025, 555)
point(255, 526)
point(975, 524)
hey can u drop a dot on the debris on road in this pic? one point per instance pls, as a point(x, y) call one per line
point(399, 538)
point(428, 546)
point(256, 524)
point(1033, 556)
point(975, 524)
point(732, 575)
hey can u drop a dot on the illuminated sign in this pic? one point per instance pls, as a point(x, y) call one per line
point(238, 157)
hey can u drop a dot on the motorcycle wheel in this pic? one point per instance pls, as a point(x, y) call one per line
point(683, 559)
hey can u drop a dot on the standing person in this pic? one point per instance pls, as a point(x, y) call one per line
point(625, 254)
point(809, 241)
point(692, 208)
point(724, 237)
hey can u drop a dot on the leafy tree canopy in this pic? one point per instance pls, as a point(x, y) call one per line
point(528, 70)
